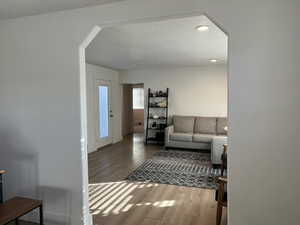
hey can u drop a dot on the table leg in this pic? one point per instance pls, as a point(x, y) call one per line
point(1, 189)
point(41, 215)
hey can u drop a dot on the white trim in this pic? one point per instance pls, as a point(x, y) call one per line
point(86, 217)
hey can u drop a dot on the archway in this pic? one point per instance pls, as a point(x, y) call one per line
point(83, 99)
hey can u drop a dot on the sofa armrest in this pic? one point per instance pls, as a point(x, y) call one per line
point(169, 130)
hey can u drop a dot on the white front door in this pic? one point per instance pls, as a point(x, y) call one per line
point(103, 113)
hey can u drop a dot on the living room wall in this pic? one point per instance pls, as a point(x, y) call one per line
point(193, 90)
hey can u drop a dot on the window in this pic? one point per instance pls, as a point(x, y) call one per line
point(103, 111)
point(138, 98)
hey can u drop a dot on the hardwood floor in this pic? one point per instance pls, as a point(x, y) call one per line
point(115, 162)
point(114, 201)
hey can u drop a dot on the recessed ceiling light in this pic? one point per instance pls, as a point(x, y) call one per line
point(213, 60)
point(202, 28)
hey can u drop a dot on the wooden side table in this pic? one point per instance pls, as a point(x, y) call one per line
point(13, 209)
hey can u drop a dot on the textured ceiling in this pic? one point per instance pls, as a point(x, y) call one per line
point(166, 43)
point(19, 8)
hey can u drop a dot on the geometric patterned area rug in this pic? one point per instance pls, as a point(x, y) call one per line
point(183, 168)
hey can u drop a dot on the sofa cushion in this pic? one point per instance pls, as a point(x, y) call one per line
point(181, 137)
point(221, 123)
point(205, 125)
point(207, 138)
point(183, 124)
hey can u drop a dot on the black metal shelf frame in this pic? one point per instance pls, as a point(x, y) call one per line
point(163, 121)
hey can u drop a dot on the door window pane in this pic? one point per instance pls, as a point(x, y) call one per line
point(103, 111)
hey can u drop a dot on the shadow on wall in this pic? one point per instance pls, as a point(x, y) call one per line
point(21, 162)
point(56, 198)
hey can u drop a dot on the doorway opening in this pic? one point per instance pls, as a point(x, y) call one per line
point(133, 109)
point(138, 107)
point(128, 59)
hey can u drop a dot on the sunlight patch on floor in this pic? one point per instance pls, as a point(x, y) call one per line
point(113, 198)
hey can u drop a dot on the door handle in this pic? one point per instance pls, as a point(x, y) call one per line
point(111, 115)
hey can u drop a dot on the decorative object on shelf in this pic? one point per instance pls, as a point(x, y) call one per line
point(154, 125)
point(157, 116)
point(162, 104)
point(158, 94)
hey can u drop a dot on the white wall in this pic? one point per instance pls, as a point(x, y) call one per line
point(93, 73)
point(198, 91)
point(40, 103)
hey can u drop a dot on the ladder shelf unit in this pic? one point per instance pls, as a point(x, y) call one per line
point(157, 116)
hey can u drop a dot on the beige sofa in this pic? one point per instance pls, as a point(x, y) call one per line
point(194, 132)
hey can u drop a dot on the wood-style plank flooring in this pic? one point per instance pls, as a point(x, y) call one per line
point(114, 201)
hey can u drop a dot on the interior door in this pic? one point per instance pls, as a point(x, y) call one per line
point(103, 113)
